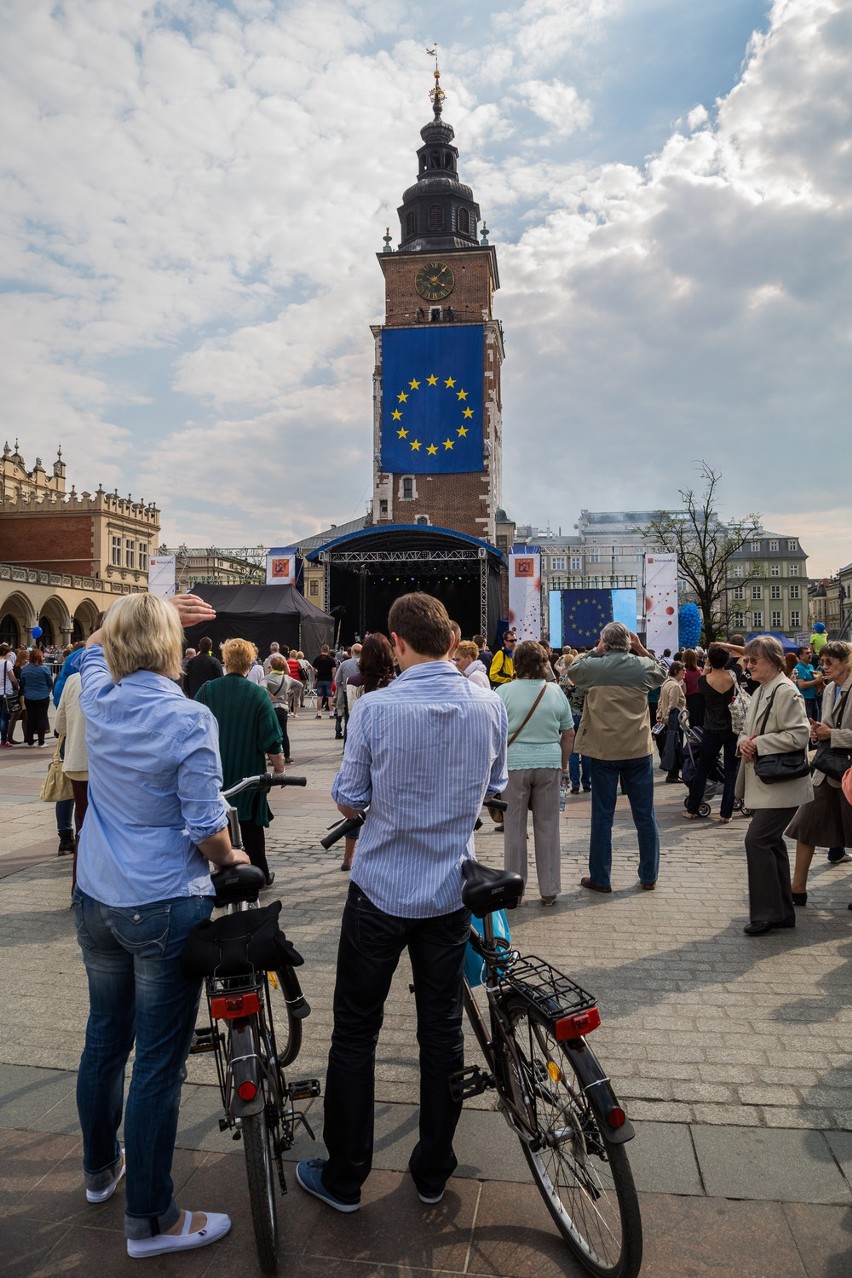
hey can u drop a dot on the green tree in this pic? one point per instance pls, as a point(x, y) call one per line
point(704, 545)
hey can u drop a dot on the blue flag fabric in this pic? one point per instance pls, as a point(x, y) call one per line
point(432, 400)
point(584, 614)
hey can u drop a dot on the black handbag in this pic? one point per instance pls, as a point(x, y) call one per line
point(772, 769)
point(238, 944)
point(831, 760)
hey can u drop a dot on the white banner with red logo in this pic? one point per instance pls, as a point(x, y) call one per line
point(525, 595)
point(661, 621)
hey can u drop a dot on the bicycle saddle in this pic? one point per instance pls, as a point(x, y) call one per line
point(237, 883)
point(486, 890)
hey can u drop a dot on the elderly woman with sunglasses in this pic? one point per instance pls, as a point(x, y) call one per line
point(776, 723)
point(826, 822)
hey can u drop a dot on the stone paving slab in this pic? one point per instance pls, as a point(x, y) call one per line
point(666, 1158)
point(482, 1229)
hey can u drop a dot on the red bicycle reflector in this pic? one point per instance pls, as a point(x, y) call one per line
point(616, 1117)
point(247, 1090)
point(578, 1024)
point(227, 1007)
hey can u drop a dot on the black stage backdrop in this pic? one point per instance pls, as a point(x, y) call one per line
point(262, 614)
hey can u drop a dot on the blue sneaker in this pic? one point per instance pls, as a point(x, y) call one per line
point(309, 1176)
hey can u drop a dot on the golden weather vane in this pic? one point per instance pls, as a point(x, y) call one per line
point(437, 94)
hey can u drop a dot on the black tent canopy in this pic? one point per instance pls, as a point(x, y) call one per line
point(262, 614)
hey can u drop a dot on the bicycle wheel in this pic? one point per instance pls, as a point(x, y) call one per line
point(284, 989)
point(261, 1182)
point(585, 1180)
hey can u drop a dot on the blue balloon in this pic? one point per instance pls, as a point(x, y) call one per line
point(37, 632)
point(688, 625)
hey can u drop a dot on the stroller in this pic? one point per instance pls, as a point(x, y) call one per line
point(715, 777)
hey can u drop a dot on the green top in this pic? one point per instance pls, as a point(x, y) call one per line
point(248, 731)
point(538, 744)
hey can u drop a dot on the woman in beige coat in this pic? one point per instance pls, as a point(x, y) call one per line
point(776, 723)
point(71, 724)
point(827, 821)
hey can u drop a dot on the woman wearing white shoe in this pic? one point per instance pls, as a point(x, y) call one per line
point(155, 818)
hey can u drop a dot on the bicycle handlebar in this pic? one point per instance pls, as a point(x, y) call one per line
point(342, 829)
point(263, 782)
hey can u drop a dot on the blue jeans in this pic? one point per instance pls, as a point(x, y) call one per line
point(4, 720)
point(323, 694)
point(575, 760)
point(371, 943)
point(637, 780)
point(137, 991)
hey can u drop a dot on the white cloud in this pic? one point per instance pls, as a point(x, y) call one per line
point(210, 182)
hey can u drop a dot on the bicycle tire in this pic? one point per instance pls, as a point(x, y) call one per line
point(261, 1185)
point(283, 990)
point(584, 1179)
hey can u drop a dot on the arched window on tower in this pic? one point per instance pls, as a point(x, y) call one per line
point(436, 218)
point(410, 222)
point(448, 159)
point(434, 159)
point(464, 221)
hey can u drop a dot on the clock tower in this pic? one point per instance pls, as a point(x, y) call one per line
point(437, 428)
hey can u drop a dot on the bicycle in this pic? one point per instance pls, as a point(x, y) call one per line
point(551, 1087)
point(250, 984)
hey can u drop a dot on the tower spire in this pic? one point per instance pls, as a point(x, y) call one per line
point(439, 211)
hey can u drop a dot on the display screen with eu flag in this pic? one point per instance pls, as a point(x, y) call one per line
point(432, 400)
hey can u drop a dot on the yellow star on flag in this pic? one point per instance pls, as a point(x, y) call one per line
point(432, 449)
point(468, 412)
point(402, 397)
point(433, 381)
point(448, 443)
point(402, 433)
point(415, 445)
point(396, 415)
point(462, 394)
point(450, 381)
point(462, 430)
point(414, 384)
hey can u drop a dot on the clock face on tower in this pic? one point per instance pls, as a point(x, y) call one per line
point(434, 281)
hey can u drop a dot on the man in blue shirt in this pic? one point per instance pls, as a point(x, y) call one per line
point(422, 753)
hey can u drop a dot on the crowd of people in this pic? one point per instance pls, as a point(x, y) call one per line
point(150, 733)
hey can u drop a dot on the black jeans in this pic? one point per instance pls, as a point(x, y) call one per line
point(254, 844)
point(281, 715)
point(371, 943)
point(711, 744)
point(37, 725)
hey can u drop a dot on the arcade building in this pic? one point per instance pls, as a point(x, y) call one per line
point(437, 523)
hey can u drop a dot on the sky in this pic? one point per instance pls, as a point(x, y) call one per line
point(195, 191)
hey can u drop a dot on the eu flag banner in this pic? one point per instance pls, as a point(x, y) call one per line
point(584, 615)
point(432, 400)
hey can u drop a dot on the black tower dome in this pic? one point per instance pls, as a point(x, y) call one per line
point(438, 212)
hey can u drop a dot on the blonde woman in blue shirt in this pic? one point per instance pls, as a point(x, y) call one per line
point(155, 819)
point(541, 737)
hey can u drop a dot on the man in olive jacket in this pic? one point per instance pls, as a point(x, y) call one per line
point(615, 736)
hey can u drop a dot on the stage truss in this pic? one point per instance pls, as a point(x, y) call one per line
point(428, 562)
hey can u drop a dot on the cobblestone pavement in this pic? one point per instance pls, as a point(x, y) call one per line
point(701, 1024)
point(731, 1053)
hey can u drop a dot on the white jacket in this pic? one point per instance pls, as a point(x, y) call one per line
point(71, 723)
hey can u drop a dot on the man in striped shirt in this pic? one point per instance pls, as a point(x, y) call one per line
point(422, 754)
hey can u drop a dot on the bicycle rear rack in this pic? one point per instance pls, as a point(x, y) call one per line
point(547, 989)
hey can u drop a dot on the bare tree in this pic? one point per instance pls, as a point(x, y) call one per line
point(704, 546)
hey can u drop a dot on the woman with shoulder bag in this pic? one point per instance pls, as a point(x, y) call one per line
point(826, 822)
point(773, 745)
point(717, 687)
point(541, 734)
point(672, 702)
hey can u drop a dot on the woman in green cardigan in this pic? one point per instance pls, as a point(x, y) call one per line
point(248, 733)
